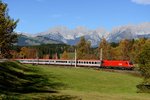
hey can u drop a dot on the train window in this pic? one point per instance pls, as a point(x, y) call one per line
point(89, 62)
point(97, 62)
point(85, 62)
point(61, 61)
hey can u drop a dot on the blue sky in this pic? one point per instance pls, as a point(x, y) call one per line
point(40, 15)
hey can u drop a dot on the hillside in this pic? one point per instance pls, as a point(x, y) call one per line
point(85, 84)
point(24, 40)
point(90, 84)
point(17, 81)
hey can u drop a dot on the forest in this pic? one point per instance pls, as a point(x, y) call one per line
point(124, 50)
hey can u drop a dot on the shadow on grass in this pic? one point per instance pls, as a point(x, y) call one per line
point(17, 79)
point(52, 97)
point(143, 88)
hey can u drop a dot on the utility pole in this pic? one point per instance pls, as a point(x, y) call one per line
point(49, 54)
point(75, 58)
point(0, 50)
point(101, 54)
point(37, 56)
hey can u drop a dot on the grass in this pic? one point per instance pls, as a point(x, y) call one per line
point(73, 83)
point(18, 81)
point(89, 84)
point(95, 80)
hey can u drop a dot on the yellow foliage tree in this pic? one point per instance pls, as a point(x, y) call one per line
point(65, 55)
point(83, 48)
point(106, 49)
point(28, 52)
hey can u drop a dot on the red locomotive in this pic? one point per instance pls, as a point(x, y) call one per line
point(117, 64)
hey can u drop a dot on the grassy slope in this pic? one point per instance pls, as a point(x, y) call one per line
point(87, 84)
point(91, 84)
point(18, 81)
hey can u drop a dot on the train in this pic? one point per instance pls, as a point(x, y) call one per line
point(118, 64)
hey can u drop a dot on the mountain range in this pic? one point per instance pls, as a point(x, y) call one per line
point(62, 34)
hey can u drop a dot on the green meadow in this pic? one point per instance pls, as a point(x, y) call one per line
point(67, 83)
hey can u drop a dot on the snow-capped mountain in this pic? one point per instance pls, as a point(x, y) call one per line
point(68, 36)
point(55, 36)
point(62, 34)
point(129, 32)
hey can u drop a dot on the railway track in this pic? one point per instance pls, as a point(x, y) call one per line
point(132, 72)
point(3, 60)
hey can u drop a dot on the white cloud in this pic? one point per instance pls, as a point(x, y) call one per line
point(144, 2)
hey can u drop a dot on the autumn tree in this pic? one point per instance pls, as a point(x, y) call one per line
point(32, 53)
point(28, 52)
point(7, 26)
point(115, 52)
point(23, 52)
point(83, 49)
point(106, 48)
point(144, 64)
point(47, 56)
point(125, 47)
point(137, 48)
point(65, 55)
point(55, 56)
point(14, 54)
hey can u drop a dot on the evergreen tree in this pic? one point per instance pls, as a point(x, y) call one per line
point(7, 26)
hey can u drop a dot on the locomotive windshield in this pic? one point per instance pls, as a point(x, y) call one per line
point(130, 63)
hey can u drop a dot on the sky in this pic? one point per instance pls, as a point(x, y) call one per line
point(40, 15)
